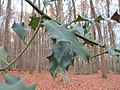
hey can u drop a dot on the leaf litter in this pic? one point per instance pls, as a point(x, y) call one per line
point(44, 81)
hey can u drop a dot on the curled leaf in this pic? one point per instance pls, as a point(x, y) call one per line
point(20, 30)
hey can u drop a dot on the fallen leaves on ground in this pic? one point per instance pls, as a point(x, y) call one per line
point(44, 81)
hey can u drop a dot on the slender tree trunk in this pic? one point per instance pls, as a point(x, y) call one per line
point(94, 49)
point(6, 36)
point(0, 27)
point(21, 10)
point(111, 33)
point(37, 49)
point(7, 21)
point(20, 62)
point(33, 12)
point(119, 5)
point(0, 8)
point(74, 10)
point(70, 12)
point(59, 10)
point(33, 46)
point(103, 61)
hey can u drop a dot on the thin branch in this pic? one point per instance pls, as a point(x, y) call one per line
point(98, 54)
point(49, 18)
point(38, 10)
point(23, 50)
point(90, 41)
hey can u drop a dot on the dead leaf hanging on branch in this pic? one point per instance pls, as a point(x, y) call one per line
point(116, 17)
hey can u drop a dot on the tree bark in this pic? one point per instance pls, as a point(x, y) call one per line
point(7, 22)
point(59, 10)
point(0, 8)
point(103, 61)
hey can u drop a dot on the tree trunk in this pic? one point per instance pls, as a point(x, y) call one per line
point(103, 61)
point(112, 35)
point(95, 61)
point(0, 8)
point(7, 22)
point(59, 10)
point(74, 10)
point(32, 59)
point(6, 35)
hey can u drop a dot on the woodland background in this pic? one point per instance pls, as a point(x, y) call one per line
point(34, 59)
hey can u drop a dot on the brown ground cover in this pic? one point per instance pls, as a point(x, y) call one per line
point(44, 81)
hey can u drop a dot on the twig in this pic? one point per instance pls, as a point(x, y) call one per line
point(23, 50)
point(80, 36)
point(38, 10)
point(49, 18)
point(98, 54)
point(41, 12)
point(88, 40)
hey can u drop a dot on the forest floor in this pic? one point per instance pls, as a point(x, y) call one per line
point(44, 81)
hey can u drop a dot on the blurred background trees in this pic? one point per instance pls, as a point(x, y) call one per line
point(34, 59)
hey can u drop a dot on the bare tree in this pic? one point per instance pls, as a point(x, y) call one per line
point(103, 62)
point(7, 22)
point(59, 10)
